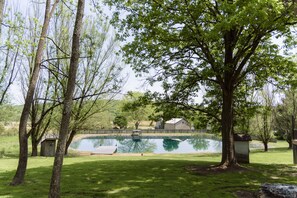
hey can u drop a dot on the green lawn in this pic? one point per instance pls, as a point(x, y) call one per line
point(147, 176)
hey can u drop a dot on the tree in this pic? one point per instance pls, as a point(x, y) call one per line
point(245, 106)
point(285, 115)
point(194, 44)
point(200, 121)
point(67, 106)
point(99, 78)
point(45, 94)
point(263, 121)
point(120, 121)
point(42, 110)
point(162, 110)
point(23, 137)
point(134, 109)
point(165, 111)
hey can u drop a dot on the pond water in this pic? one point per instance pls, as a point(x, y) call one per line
point(186, 144)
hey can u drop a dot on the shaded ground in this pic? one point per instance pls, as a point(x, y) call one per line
point(187, 175)
point(207, 170)
point(215, 170)
point(246, 194)
point(218, 171)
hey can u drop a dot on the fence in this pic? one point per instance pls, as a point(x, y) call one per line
point(118, 131)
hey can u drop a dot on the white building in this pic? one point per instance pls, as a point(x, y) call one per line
point(177, 124)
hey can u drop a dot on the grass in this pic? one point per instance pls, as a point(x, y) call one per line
point(148, 176)
point(9, 146)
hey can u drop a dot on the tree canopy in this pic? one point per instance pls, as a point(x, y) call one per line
point(189, 45)
point(120, 121)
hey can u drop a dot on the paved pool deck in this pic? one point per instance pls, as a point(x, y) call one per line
point(81, 136)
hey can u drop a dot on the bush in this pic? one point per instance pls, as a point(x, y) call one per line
point(120, 121)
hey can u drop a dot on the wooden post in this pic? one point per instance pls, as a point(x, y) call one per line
point(294, 139)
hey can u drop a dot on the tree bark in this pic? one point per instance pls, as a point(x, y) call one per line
point(74, 128)
point(32, 131)
point(290, 144)
point(265, 146)
point(57, 168)
point(227, 86)
point(2, 3)
point(23, 138)
point(34, 148)
point(71, 136)
point(228, 152)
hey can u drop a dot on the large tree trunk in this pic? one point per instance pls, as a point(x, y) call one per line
point(23, 138)
point(227, 86)
point(228, 152)
point(64, 128)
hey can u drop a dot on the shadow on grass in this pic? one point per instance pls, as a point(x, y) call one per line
point(145, 178)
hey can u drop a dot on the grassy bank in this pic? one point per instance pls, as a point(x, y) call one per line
point(148, 176)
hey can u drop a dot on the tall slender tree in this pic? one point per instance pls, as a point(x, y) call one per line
point(23, 137)
point(263, 120)
point(285, 115)
point(98, 79)
point(67, 107)
point(47, 95)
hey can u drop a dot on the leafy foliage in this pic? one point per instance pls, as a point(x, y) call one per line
point(285, 115)
point(135, 109)
point(215, 45)
point(262, 125)
point(120, 121)
point(10, 113)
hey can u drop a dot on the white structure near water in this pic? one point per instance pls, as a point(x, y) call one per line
point(177, 124)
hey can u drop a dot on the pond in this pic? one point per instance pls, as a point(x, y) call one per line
point(140, 144)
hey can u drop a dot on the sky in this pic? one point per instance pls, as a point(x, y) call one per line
point(133, 83)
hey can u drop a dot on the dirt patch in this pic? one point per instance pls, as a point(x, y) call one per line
point(206, 170)
point(246, 194)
